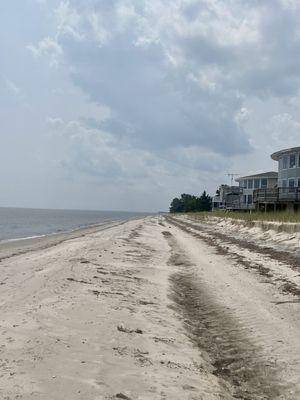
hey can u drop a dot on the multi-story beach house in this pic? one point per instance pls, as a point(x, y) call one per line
point(226, 198)
point(268, 190)
point(288, 167)
point(286, 196)
point(248, 184)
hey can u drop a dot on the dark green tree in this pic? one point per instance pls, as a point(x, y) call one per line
point(205, 202)
point(190, 203)
point(176, 205)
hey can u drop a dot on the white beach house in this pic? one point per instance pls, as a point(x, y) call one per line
point(248, 184)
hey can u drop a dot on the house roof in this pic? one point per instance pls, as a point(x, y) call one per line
point(275, 156)
point(271, 174)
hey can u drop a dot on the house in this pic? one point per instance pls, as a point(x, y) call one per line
point(268, 190)
point(216, 202)
point(287, 194)
point(226, 198)
point(288, 167)
point(249, 184)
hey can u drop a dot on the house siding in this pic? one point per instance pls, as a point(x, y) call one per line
point(285, 171)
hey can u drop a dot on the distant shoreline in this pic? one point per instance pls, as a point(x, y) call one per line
point(23, 224)
point(62, 232)
point(18, 246)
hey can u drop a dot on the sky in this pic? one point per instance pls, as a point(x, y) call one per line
point(125, 104)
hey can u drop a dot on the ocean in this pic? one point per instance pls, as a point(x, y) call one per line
point(21, 223)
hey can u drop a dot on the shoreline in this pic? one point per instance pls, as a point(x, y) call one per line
point(13, 247)
point(18, 224)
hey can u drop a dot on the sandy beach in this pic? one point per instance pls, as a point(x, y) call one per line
point(155, 308)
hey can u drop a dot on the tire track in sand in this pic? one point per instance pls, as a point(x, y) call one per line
point(235, 359)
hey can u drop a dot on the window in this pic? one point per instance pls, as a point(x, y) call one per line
point(292, 161)
point(298, 182)
point(250, 184)
point(264, 183)
point(256, 183)
point(291, 185)
point(284, 162)
point(250, 199)
point(244, 199)
point(284, 183)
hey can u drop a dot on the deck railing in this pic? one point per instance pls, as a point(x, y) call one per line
point(239, 205)
point(266, 195)
point(274, 195)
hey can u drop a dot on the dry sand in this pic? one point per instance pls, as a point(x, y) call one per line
point(149, 309)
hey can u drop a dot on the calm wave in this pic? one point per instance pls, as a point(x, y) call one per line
point(16, 223)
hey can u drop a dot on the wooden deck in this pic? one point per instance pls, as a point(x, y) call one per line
point(277, 195)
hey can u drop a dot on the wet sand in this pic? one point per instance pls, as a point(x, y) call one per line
point(147, 309)
point(9, 248)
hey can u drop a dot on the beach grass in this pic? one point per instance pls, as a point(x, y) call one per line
point(279, 216)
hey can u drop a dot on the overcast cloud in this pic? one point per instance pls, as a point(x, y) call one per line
point(124, 104)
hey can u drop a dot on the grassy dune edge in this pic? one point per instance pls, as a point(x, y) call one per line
point(282, 216)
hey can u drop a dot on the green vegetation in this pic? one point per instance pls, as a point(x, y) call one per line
point(190, 203)
point(279, 216)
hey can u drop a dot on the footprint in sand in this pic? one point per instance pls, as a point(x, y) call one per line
point(122, 396)
point(141, 359)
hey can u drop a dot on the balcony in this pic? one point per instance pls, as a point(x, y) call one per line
point(289, 194)
point(239, 205)
point(270, 195)
point(276, 195)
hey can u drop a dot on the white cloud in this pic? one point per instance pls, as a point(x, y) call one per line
point(242, 115)
point(68, 21)
point(100, 33)
point(12, 87)
point(284, 130)
point(290, 4)
point(155, 93)
point(54, 122)
point(47, 47)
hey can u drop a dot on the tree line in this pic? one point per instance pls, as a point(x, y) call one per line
point(190, 203)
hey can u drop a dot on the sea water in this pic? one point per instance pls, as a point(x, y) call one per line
point(17, 223)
